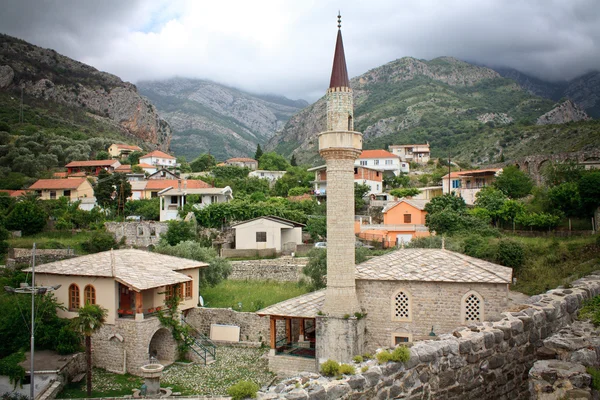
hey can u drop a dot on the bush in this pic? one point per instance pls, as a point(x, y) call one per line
point(330, 368)
point(347, 369)
point(28, 217)
point(367, 356)
point(383, 357)
point(477, 246)
point(591, 310)
point(99, 241)
point(357, 359)
point(510, 253)
point(68, 341)
point(243, 390)
point(401, 354)
point(179, 231)
point(9, 366)
point(595, 373)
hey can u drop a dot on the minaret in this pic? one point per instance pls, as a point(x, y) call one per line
point(339, 145)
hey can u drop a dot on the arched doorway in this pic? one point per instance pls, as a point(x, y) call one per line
point(163, 347)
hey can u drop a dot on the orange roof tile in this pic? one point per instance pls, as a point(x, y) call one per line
point(57, 184)
point(77, 174)
point(377, 154)
point(59, 174)
point(123, 168)
point(158, 153)
point(92, 163)
point(241, 159)
point(144, 165)
point(457, 174)
point(13, 193)
point(160, 184)
point(127, 146)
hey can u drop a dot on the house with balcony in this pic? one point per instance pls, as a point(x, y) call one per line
point(155, 186)
point(373, 177)
point(120, 150)
point(418, 153)
point(173, 199)
point(384, 160)
point(73, 188)
point(467, 184)
point(91, 167)
point(158, 160)
point(271, 176)
point(132, 285)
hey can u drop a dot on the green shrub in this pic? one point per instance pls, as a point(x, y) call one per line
point(9, 366)
point(367, 356)
point(68, 341)
point(347, 369)
point(401, 354)
point(510, 253)
point(591, 310)
point(595, 373)
point(99, 241)
point(243, 390)
point(364, 369)
point(383, 357)
point(330, 368)
point(357, 359)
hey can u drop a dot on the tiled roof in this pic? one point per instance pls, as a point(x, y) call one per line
point(305, 306)
point(127, 147)
point(241, 159)
point(160, 184)
point(458, 174)
point(272, 218)
point(92, 163)
point(137, 269)
point(432, 265)
point(60, 174)
point(123, 168)
point(144, 165)
point(377, 154)
point(418, 204)
point(13, 193)
point(72, 183)
point(157, 153)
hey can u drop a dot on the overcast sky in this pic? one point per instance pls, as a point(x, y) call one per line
point(286, 47)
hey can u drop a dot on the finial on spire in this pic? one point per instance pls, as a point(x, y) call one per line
point(339, 20)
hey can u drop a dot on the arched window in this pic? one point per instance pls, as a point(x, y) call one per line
point(472, 307)
point(402, 306)
point(188, 288)
point(74, 297)
point(89, 294)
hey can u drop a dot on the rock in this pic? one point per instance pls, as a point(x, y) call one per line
point(297, 394)
point(6, 75)
point(563, 113)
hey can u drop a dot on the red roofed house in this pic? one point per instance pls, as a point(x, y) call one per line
point(467, 184)
point(74, 188)
point(159, 159)
point(156, 185)
point(92, 167)
point(13, 193)
point(243, 162)
point(362, 176)
point(382, 159)
point(122, 150)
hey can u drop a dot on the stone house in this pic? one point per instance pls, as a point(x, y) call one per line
point(402, 221)
point(407, 295)
point(382, 159)
point(132, 285)
point(373, 177)
point(120, 150)
point(467, 184)
point(173, 199)
point(268, 232)
point(92, 167)
point(418, 153)
point(73, 188)
point(243, 162)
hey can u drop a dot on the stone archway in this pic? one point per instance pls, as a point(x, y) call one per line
point(163, 347)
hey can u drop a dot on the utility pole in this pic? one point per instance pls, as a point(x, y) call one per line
point(449, 172)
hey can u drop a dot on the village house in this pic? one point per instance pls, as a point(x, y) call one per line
point(418, 153)
point(268, 232)
point(91, 167)
point(467, 184)
point(153, 187)
point(72, 188)
point(120, 150)
point(403, 220)
point(243, 162)
point(271, 176)
point(384, 160)
point(373, 177)
point(123, 169)
point(173, 199)
point(147, 168)
point(131, 285)
point(158, 159)
point(163, 173)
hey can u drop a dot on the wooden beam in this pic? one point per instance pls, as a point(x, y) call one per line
point(273, 332)
point(288, 329)
point(139, 306)
point(302, 327)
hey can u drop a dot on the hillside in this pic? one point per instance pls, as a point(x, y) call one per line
point(445, 101)
point(45, 74)
point(206, 116)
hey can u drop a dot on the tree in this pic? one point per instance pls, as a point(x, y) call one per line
point(445, 214)
point(360, 191)
point(513, 182)
point(258, 153)
point(402, 180)
point(566, 198)
point(204, 162)
point(589, 190)
point(90, 319)
point(317, 227)
point(179, 231)
point(446, 201)
point(272, 161)
point(102, 155)
point(184, 166)
point(27, 216)
point(294, 177)
point(293, 161)
point(134, 157)
point(316, 269)
point(557, 173)
point(492, 200)
point(112, 190)
point(405, 192)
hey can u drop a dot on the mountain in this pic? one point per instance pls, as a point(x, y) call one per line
point(583, 90)
point(207, 116)
point(46, 75)
point(445, 101)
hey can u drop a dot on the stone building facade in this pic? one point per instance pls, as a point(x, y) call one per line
point(137, 234)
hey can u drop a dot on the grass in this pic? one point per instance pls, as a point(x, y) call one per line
point(253, 295)
point(53, 240)
point(104, 384)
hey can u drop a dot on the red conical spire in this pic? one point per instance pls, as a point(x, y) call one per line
point(339, 73)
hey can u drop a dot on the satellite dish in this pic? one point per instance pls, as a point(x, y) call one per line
point(201, 301)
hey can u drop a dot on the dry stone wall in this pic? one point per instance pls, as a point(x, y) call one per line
point(138, 234)
point(281, 269)
point(489, 360)
point(253, 328)
point(42, 256)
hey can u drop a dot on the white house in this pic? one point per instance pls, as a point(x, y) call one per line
point(467, 184)
point(159, 159)
point(271, 176)
point(384, 160)
point(268, 232)
point(418, 153)
point(362, 176)
point(172, 200)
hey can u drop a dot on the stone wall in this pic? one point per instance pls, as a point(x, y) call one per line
point(278, 269)
point(252, 327)
point(42, 256)
point(137, 234)
point(247, 253)
point(489, 360)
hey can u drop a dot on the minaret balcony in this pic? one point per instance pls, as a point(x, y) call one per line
point(340, 140)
